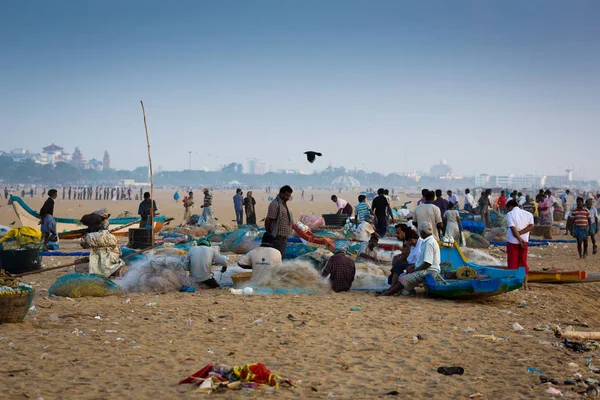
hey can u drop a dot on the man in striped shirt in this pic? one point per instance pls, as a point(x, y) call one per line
point(361, 210)
point(581, 227)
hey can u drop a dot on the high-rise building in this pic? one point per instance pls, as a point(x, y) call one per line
point(257, 167)
point(106, 160)
point(440, 170)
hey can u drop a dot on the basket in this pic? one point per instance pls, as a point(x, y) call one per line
point(241, 278)
point(14, 306)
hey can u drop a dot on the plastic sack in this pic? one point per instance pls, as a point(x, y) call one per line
point(294, 250)
point(312, 221)
point(83, 285)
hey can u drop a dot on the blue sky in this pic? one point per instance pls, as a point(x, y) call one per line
point(492, 86)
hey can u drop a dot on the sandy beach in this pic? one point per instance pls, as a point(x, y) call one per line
point(111, 348)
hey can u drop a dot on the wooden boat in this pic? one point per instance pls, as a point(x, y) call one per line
point(490, 281)
point(71, 228)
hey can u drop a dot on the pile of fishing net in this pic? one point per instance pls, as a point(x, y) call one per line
point(159, 274)
point(496, 235)
point(241, 241)
point(312, 221)
point(481, 257)
point(317, 258)
point(83, 285)
point(498, 220)
point(294, 250)
point(476, 241)
point(194, 231)
point(292, 275)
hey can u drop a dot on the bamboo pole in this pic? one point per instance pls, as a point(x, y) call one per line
point(151, 177)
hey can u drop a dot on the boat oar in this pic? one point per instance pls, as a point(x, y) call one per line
point(77, 262)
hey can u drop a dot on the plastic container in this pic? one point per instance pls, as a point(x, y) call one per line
point(140, 238)
point(18, 261)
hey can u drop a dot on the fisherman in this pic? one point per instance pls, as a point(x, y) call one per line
point(362, 209)
point(207, 206)
point(429, 212)
point(563, 199)
point(453, 198)
point(484, 205)
point(262, 258)
point(343, 206)
point(428, 262)
point(529, 205)
point(441, 202)
point(144, 211)
point(520, 223)
point(188, 204)
point(552, 202)
point(249, 204)
point(469, 201)
point(341, 270)
point(199, 261)
point(501, 202)
point(47, 222)
point(382, 209)
point(581, 227)
point(279, 221)
point(238, 206)
point(408, 256)
point(368, 251)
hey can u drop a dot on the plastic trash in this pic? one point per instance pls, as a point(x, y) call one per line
point(355, 308)
point(534, 371)
point(236, 291)
point(257, 322)
point(248, 290)
point(33, 309)
point(415, 340)
point(451, 370)
point(553, 392)
point(98, 317)
point(475, 395)
point(469, 330)
point(518, 327)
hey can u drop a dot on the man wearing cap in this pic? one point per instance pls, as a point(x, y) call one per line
point(199, 261)
point(428, 262)
point(341, 270)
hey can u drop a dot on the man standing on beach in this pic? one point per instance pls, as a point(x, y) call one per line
point(279, 221)
point(453, 198)
point(144, 211)
point(238, 206)
point(581, 227)
point(484, 207)
point(249, 204)
point(553, 203)
point(382, 209)
point(469, 201)
point(589, 204)
point(441, 202)
point(188, 204)
point(207, 206)
point(47, 222)
point(429, 212)
point(520, 223)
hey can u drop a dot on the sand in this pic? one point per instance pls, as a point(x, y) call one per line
point(330, 349)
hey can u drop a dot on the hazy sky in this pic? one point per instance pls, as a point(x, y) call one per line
point(492, 86)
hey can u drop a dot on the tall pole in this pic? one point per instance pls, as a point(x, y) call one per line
point(151, 178)
point(190, 158)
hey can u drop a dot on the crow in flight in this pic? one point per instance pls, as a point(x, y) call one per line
point(312, 155)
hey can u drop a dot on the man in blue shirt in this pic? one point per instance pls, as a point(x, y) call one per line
point(238, 205)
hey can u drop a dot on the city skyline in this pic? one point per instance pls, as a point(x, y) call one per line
point(495, 87)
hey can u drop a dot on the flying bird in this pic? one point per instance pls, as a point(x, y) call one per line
point(312, 155)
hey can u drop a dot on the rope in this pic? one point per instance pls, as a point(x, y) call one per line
point(466, 273)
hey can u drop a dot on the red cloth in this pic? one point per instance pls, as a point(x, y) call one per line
point(516, 256)
point(202, 374)
point(258, 373)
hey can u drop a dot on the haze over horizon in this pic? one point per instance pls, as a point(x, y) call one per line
point(498, 87)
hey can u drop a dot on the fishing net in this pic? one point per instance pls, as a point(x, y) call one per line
point(318, 258)
point(159, 274)
point(241, 241)
point(481, 257)
point(496, 235)
point(292, 275)
point(230, 239)
point(498, 220)
point(83, 285)
point(476, 241)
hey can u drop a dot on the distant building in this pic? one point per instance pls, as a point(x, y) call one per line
point(95, 164)
point(257, 167)
point(106, 160)
point(503, 181)
point(440, 170)
point(527, 181)
point(482, 180)
point(77, 159)
point(53, 154)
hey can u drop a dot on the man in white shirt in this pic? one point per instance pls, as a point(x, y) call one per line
point(429, 212)
point(368, 251)
point(343, 206)
point(453, 198)
point(199, 261)
point(553, 203)
point(261, 259)
point(520, 223)
point(469, 201)
point(428, 262)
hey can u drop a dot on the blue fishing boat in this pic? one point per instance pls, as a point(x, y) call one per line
point(488, 282)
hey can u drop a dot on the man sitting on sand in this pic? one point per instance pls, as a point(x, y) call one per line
point(428, 262)
point(262, 258)
point(368, 251)
point(199, 261)
point(408, 257)
point(342, 270)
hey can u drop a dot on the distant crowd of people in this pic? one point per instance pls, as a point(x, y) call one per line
point(82, 193)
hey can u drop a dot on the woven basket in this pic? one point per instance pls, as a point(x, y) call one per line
point(241, 278)
point(14, 306)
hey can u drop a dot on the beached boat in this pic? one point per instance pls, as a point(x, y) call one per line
point(558, 276)
point(69, 228)
point(488, 282)
point(306, 234)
